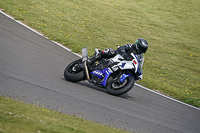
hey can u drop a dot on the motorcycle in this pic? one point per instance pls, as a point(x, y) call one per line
point(116, 74)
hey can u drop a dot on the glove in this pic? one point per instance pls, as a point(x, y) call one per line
point(126, 57)
point(122, 51)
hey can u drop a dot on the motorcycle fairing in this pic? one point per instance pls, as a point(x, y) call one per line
point(124, 64)
point(97, 73)
point(124, 76)
point(106, 73)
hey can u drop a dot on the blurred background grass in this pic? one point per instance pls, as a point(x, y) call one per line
point(170, 26)
point(19, 117)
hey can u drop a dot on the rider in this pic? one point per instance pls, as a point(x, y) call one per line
point(139, 48)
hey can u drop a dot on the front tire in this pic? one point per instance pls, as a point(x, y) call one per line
point(119, 89)
point(72, 74)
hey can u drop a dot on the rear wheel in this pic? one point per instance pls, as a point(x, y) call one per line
point(116, 88)
point(73, 73)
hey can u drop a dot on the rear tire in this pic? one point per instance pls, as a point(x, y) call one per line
point(74, 76)
point(123, 88)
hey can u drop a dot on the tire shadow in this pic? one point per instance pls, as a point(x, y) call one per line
point(87, 84)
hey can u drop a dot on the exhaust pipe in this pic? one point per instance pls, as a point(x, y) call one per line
point(86, 70)
point(84, 60)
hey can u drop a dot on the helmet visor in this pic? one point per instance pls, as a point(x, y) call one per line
point(138, 51)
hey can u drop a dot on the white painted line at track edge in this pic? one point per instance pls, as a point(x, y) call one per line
point(80, 56)
point(166, 96)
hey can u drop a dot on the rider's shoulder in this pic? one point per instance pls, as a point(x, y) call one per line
point(128, 45)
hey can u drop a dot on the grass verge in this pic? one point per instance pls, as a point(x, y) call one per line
point(171, 28)
point(19, 117)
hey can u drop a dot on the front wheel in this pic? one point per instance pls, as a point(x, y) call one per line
point(116, 89)
point(73, 73)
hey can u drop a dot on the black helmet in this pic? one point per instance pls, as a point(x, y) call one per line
point(141, 46)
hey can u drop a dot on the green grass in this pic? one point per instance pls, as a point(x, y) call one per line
point(19, 117)
point(170, 26)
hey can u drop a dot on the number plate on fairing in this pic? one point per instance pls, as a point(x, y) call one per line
point(97, 73)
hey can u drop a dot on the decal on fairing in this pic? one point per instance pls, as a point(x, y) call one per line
point(124, 76)
point(134, 62)
point(115, 67)
point(97, 73)
point(133, 66)
point(123, 64)
point(107, 72)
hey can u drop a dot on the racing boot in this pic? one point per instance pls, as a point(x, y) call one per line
point(95, 57)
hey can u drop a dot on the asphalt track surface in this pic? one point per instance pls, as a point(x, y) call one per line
point(31, 68)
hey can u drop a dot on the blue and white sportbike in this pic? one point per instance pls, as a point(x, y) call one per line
point(116, 74)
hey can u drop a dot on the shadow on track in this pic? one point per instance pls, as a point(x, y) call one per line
point(125, 96)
